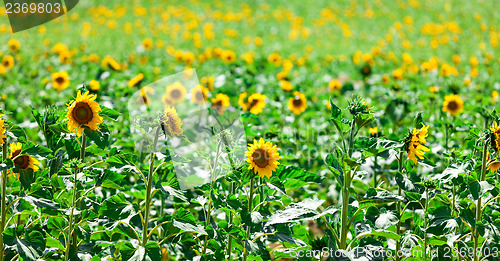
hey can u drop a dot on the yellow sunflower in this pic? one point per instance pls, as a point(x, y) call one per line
point(199, 95)
point(297, 104)
point(453, 104)
point(137, 79)
point(2, 130)
point(94, 85)
point(14, 45)
point(24, 162)
point(335, 85)
point(109, 62)
point(8, 61)
point(208, 82)
point(263, 158)
point(414, 143)
point(83, 111)
point(175, 92)
point(60, 80)
point(220, 103)
point(228, 56)
point(275, 59)
point(495, 139)
point(254, 104)
point(286, 85)
point(171, 122)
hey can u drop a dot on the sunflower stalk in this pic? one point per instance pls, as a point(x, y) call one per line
point(478, 205)
point(4, 194)
point(148, 189)
point(72, 237)
point(250, 202)
point(398, 206)
point(345, 193)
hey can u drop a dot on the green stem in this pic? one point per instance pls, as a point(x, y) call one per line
point(398, 206)
point(478, 205)
point(229, 239)
point(344, 229)
point(72, 235)
point(426, 223)
point(212, 180)
point(4, 194)
point(148, 189)
point(250, 202)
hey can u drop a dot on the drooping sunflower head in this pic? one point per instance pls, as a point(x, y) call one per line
point(83, 111)
point(199, 95)
point(453, 104)
point(414, 143)
point(263, 158)
point(176, 92)
point(22, 161)
point(493, 165)
point(220, 103)
point(60, 80)
point(298, 103)
point(2, 130)
point(171, 122)
point(143, 98)
point(495, 137)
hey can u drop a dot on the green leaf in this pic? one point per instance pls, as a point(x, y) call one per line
point(100, 136)
point(6, 165)
point(478, 189)
point(417, 122)
point(363, 119)
point(109, 113)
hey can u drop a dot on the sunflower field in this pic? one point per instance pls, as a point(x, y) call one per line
point(261, 130)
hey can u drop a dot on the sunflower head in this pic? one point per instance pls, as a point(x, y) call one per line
point(298, 103)
point(220, 103)
point(263, 158)
point(24, 162)
point(8, 61)
point(171, 122)
point(2, 130)
point(254, 104)
point(136, 80)
point(175, 92)
point(83, 111)
point(414, 143)
point(335, 85)
point(60, 80)
point(199, 95)
point(453, 104)
point(494, 165)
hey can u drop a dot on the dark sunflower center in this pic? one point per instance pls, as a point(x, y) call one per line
point(22, 161)
point(6, 63)
point(253, 103)
point(452, 105)
point(199, 96)
point(60, 80)
point(82, 113)
point(176, 94)
point(218, 103)
point(260, 158)
point(297, 102)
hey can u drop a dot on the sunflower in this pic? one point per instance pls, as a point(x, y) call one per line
point(495, 137)
point(220, 103)
point(208, 82)
point(23, 161)
point(175, 93)
point(94, 85)
point(147, 44)
point(286, 85)
point(453, 104)
point(275, 59)
point(83, 111)
point(199, 95)
point(414, 143)
point(144, 97)
point(228, 56)
point(263, 158)
point(493, 165)
point(60, 80)
point(298, 103)
point(8, 61)
point(335, 85)
point(14, 45)
point(171, 122)
point(109, 62)
point(137, 79)
point(254, 104)
point(2, 130)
